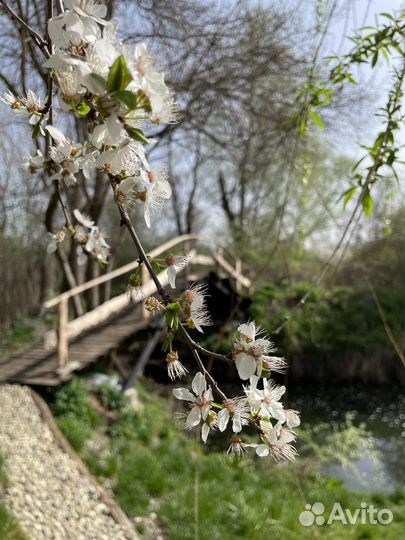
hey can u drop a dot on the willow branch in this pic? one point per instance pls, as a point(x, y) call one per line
point(369, 180)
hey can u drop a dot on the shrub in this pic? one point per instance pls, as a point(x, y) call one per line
point(76, 431)
point(112, 398)
point(72, 399)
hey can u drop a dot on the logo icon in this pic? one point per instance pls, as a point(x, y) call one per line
point(312, 514)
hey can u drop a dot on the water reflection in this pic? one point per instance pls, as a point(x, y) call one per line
point(382, 410)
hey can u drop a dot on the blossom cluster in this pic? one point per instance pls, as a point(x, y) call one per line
point(259, 407)
point(118, 90)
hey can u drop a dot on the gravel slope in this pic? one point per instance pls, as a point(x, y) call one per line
point(48, 493)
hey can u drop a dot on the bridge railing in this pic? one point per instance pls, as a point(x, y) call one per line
point(66, 329)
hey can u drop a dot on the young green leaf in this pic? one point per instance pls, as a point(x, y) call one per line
point(119, 76)
point(172, 315)
point(81, 109)
point(128, 98)
point(316, 118)
point(348, 194)
point(136, 134)
point(367, 203)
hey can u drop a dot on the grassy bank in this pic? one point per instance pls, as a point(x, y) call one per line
point(9, 527)
point(151, 466)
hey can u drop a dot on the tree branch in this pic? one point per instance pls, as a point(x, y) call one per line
point(39, 40)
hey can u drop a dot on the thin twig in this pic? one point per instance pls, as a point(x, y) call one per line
point(387, 328)
point(204, 369)
point(195, 347)
point(39, 40)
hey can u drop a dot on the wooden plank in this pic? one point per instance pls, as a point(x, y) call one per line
point(63, 339)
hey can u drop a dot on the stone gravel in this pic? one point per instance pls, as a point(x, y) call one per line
point(47, 492)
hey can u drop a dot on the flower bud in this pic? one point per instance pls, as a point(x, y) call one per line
point(152, 304)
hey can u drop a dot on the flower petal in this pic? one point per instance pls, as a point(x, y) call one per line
point(236, 423)
point(262, 450)
point(171, 275)
point(223, 419)
point(193, 418)
point(246, 366)
point(205, 432)
point(183, 393)
point(199, 384)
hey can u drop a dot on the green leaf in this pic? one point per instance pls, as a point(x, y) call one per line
point(358, 163)
point(82, 108)
point(367, 203)
point(36, 132)
point(348, 194)
point(303, 126)
point(136, 134)
point(128, 98)
point(375, 58)
point(391, 158)
point(316, 118)
point(172, 315)
point(156, 266)
point(119, 76)
point(144, 101)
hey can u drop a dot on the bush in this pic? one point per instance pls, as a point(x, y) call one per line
point(112, 398)
point(9, 528)
point(332, 321)
point(73, 399)
point(75, 430)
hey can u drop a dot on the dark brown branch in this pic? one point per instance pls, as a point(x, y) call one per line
point(39, 40)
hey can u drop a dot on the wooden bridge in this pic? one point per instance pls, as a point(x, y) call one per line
point(74, 343)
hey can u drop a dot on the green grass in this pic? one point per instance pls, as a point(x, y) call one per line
point(9, 527)
point(20, 336)
point(152, 465)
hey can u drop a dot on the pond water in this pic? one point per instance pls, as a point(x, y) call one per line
point(381, 467)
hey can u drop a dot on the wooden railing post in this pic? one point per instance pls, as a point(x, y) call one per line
point(63, 340)
point(145, 278)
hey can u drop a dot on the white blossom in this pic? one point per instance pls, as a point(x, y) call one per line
point(200, 400)
point(88, 8)
point(277, 443)
point(251, 353)
point(146, 77)
point(82, 219)
point(56, 239)
point(32, 162)
point(111, 132)
point(175, 368)
point(237, 410)
point(195, 307)
point(238, 447)
point(266, 401)
point(31, 105)
point(175, 262)
point(210, 424)
point(127, 158)
point(96, 245)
